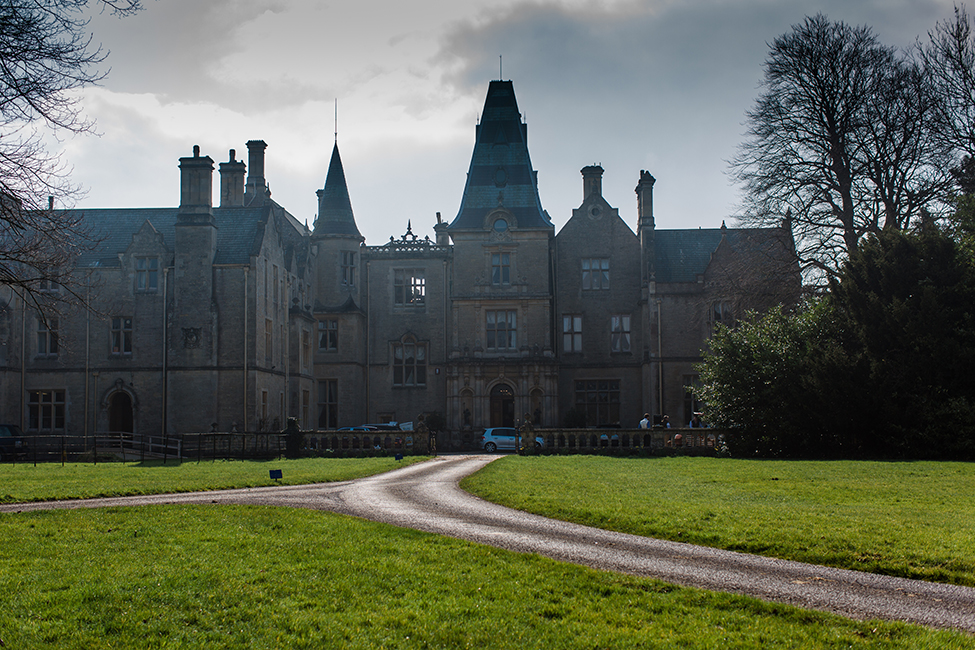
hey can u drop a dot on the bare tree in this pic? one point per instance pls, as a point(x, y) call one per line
point(840, 140)
point(46, 53)
point(949, 62)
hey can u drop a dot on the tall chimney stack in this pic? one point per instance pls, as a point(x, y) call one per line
point(645, 224)
point(256, 184)
point(196, 185)
point(232, 182)
point(592, 181)
point(644, 197)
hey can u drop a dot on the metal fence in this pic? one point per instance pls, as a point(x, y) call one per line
point(115, 446)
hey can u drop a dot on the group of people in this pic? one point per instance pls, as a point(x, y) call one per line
point(647, 423)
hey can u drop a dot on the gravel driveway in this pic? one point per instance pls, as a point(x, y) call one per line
point(426, 497)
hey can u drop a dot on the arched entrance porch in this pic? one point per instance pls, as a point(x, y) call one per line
point(502, 406)
point(120, 413)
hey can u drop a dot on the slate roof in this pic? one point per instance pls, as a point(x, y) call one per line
point(239, 231)
point(335, 215)
point(683, 255)
point(501, 173)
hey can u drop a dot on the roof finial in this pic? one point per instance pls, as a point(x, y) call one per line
point(500, 68)
point(336, 119)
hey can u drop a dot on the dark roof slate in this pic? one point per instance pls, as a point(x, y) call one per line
point(501, 173)
point(683, 255)
point(239, 231)
point(335, 215)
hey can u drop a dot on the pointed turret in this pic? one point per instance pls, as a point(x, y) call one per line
point(501, 174)
point(335, 216)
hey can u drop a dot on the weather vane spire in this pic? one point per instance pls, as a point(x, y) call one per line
point(500, 68)
point(336, 119)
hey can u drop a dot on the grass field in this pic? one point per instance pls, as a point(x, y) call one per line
point(910, 519)
point(48, 482)
point(255, 577)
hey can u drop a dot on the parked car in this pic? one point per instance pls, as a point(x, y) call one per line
point(13, 444)
point(497, 438)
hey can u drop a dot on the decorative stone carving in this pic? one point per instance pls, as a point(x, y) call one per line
point(191, 338)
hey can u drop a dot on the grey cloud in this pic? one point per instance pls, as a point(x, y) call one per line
point(188, 51)
point(646, 84)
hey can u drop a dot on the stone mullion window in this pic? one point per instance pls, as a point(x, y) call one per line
point(409, 287)
point(572, 333)
point(348, 268)
point(501, 269)
point(721, 313)
point(45, 410)
point(599, 399)
point(595, 274)
point(146, 274)
point(501, 329)
point(47, 337)
point(409, 364)
point(121, 336)
point(268, 341)
point(328, 403)
point(620, 332)
point(328, 335)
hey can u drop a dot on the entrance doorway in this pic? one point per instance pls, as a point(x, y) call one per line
point(502, 406)
point(120, 413)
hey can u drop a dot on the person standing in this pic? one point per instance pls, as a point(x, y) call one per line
point(645, 422)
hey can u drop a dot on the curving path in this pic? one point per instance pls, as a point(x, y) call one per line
point(426, 497)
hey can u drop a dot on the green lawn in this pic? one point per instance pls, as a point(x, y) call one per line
point(25, 482)
point(911, 519)
point(255, 577)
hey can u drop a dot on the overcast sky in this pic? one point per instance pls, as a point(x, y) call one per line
point(661, 85)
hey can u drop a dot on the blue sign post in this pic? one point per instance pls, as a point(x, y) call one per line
point(276, 474)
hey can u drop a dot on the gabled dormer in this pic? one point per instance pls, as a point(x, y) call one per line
point(145, 258)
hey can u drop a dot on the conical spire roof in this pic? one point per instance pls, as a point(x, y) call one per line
point(335, 216)
point(501, 174)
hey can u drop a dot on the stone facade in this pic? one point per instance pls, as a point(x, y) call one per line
point(236, 316)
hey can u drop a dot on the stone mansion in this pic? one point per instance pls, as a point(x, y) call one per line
point(238, 316)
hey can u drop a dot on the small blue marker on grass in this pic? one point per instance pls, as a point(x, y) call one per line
point(276, 474)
